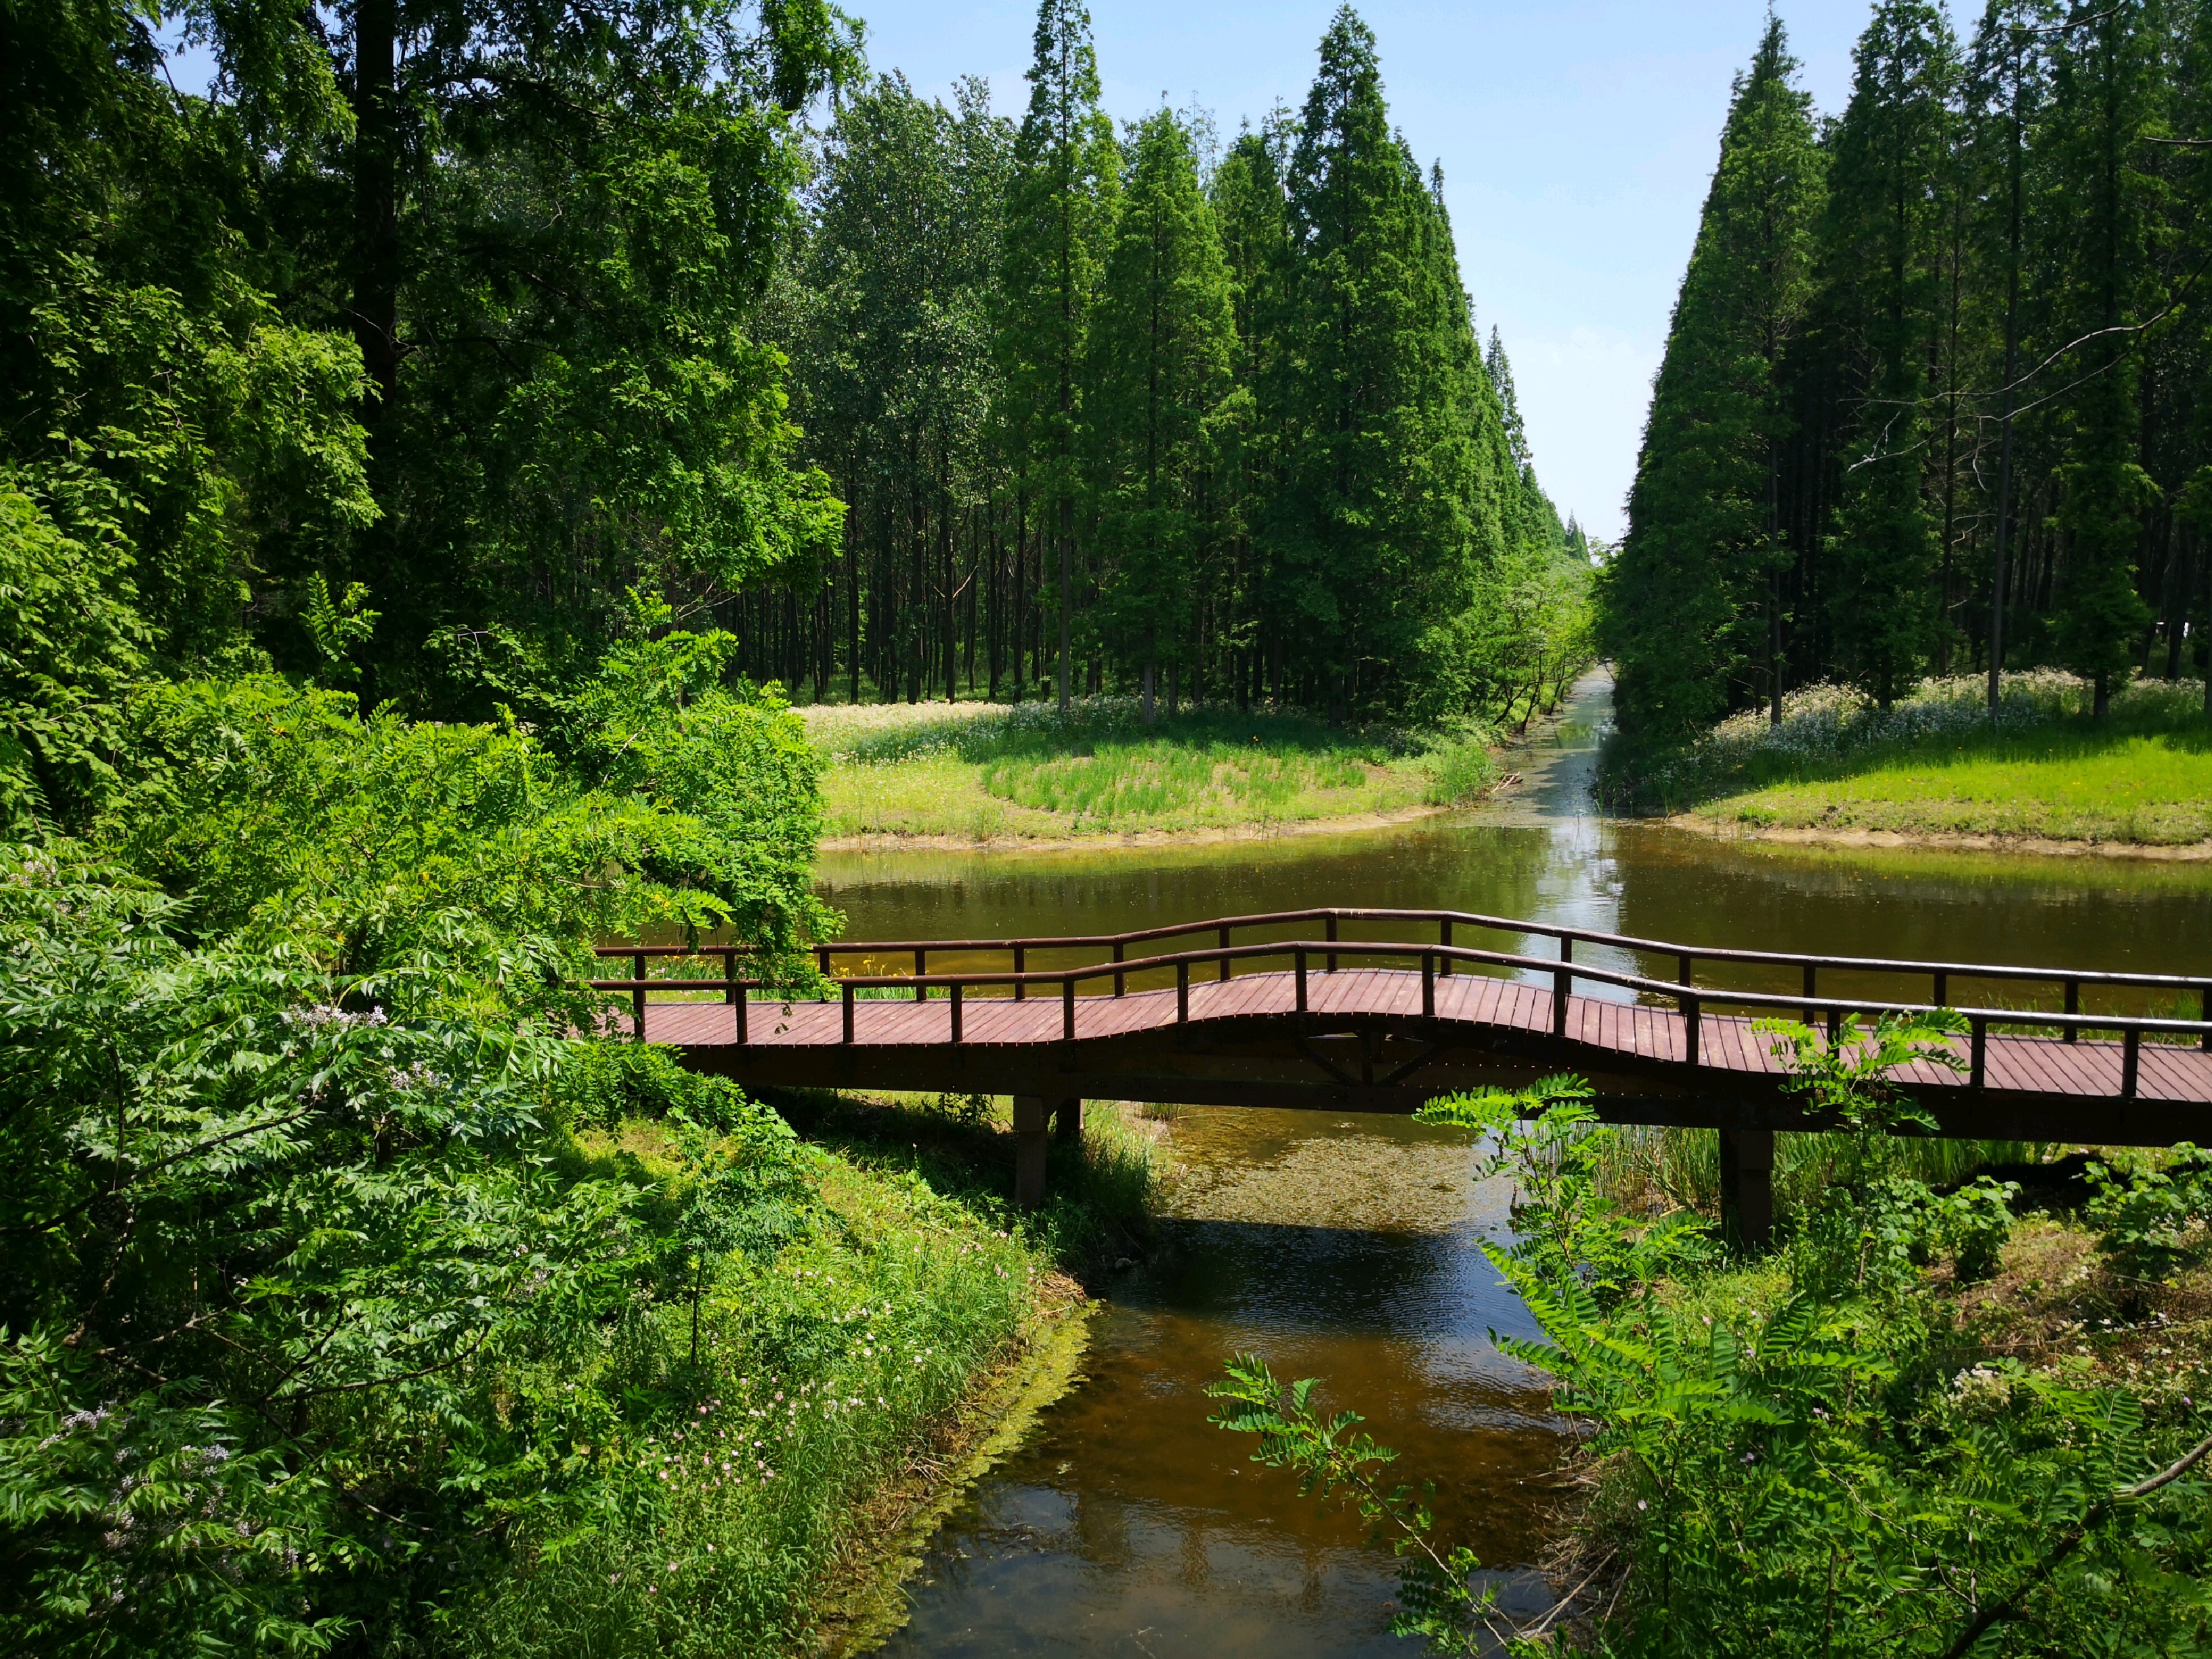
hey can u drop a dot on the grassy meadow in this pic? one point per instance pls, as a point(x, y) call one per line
point(988, 772)
point(1936, 764)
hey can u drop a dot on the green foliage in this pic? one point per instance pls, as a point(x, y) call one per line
point(2152, 1221)
point(1160, 349)
point(70, 643)
point(1850, 1080)
point(1565, 1226)
point(1435, 1601)
point(1800, 1461)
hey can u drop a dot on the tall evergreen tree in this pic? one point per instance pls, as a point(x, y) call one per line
point(2102, 100)
point(1161, 353)
point(1697, 575)
point(1059, 218)
point(1880, 255)
point(1370, 401)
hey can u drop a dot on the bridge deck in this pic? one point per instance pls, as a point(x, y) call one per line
point(2042, 1066)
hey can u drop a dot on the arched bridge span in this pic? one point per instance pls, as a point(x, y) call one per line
point(1291, 1009)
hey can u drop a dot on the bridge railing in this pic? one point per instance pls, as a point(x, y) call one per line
point(1435, 960)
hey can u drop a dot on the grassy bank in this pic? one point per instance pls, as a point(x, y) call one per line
point(757, 1440)
point(981, 772)
point(1936, 764)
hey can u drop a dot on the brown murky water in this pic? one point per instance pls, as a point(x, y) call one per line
point(1345, 1249)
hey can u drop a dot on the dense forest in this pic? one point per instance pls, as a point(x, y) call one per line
point(1933, 398)
point(1201, 422)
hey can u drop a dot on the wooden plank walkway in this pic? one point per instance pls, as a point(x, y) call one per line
point(1596, 1029)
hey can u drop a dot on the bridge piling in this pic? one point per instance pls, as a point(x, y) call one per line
point(1067, 1119)
point(1747, 1187)
point(1029, 1152)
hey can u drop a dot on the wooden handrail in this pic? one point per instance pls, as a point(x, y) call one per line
point(1499, 924)
point(1690, 1000)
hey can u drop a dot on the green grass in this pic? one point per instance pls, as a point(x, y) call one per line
point(1936, 765)
point(2068, 784)
point(1028, 772)
point(823, 1373)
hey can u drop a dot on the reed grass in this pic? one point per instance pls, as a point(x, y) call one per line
point(1657, 1169)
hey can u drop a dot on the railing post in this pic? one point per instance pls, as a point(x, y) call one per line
point(920, 966)
point(1445, 940)
point(1068, 1009)
point(848, 1011)
point(1021, 960)
point(1428, 985)
point(1563, 985)
point(737, 1000)
point(2205, 1012)
point(2072, 1006)
point(637, 1011)
point(1330, 923)
point(1835, 1026)
point(1301, 955)
point(1942, 990)
point(1182, 992)
point(1978, 1076)
point(1811, 990)
point(2130, 1061)
point(1686, 970)
point(822, 958)
point(1224, 960)
point(730, 974)
point(1689, 1006)
point(1121, 980)
point(956, 1010)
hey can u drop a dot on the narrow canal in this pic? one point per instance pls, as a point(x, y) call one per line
point(1345, 1248)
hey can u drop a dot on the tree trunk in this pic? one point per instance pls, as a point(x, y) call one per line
point(376, 200)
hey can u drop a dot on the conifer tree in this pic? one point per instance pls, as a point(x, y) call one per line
point(2102, 102)
point(1685, 597)
point(1879, 268)
point(1370, 400)
point(1161, 349)
point(1058, 216)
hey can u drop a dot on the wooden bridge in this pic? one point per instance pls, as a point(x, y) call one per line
point(1384, 1024)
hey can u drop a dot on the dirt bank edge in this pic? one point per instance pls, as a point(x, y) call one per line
point(893, 842)
point(1941, 840)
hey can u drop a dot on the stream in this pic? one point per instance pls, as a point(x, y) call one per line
point(1345, 1248)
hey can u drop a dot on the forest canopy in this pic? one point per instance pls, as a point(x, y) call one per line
point(1933, 396)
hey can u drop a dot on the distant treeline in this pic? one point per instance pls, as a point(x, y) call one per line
point(1935, 390)
point(1214, 425)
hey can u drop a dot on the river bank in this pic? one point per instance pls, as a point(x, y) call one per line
point(1718, 826)
point(917, 776)
point(1938, 769)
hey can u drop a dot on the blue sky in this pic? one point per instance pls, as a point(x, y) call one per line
point(1575, 139)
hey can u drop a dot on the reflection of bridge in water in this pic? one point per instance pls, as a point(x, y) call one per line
point(1383, 1024)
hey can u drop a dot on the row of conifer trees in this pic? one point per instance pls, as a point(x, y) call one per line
point(1932, 401)
point(1123, 410)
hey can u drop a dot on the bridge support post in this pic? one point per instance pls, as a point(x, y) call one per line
point(1029, 1152)
point(1067, 1120)
point(1747, 1187)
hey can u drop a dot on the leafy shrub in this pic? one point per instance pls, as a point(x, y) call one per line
point(2153, 1221)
